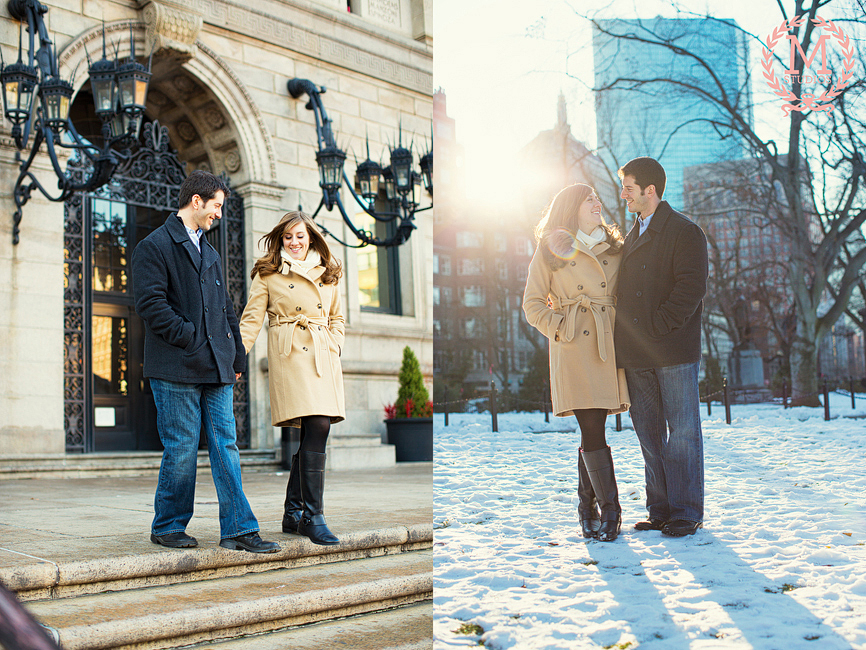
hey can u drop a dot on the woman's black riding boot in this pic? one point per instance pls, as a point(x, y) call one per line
point(587, 508)
point(599, 466)
point(312, 524)
point(293, 508)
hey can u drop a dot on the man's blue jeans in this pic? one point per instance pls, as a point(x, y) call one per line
point(180, 411)
point(673, 454)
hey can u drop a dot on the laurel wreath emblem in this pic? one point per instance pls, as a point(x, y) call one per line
point(808, 101)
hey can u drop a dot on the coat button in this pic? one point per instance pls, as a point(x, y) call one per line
point(320, 327)
point(305, 349)
point(639, 294)
point(602, 308)
point(603, 285)
point(210, 337)
point(635, 321)
point(218, 283)
point(297, 309)
point(579, 287)
point(586, 332)
point(583, 309)
point(573, 263)
point(303, 328)
point(319, 305)
point(320, 284)
point(228, 335)
point(205, 310)
point(224, 308)
point(604, 261)
point(291, 286)
point(202, 280)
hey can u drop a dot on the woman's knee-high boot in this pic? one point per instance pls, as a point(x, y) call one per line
point(293, 508)
point(587, 508)
point(599, 466)
point(312, 522)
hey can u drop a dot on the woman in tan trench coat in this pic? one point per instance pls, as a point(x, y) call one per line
point(570, 299)
point(296, 285)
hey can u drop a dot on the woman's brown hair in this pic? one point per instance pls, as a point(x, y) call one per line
point(273, 244)
point(558, 225)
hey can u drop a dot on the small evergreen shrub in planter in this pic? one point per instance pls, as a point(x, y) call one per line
point(410, 419)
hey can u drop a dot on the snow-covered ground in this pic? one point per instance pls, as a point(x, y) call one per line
point(780, 562)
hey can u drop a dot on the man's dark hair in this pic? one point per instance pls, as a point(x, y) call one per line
point(203, 183)
point(646, 172)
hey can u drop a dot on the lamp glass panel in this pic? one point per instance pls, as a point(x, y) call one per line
point(52, 107)
point(104, 89)
point(10, 94)
point(140, 91)
point(127, 93)
point(401, 173)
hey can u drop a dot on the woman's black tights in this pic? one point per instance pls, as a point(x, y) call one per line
point(314, 433)
point(591, 423)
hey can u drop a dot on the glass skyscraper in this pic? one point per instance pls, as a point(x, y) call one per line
point(672, 122)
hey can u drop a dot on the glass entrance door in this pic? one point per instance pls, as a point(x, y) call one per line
point(123, 412)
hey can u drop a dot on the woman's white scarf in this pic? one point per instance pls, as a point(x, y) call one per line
point(305, 265)
point(595, 237)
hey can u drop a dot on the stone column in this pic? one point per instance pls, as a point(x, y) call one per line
point(262, 210)
point(31, 316)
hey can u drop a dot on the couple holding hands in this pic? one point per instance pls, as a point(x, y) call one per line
point(623, 319)
point(195, 350)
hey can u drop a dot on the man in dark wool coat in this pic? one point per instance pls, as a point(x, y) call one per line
point(657, 337)
point(193, 355)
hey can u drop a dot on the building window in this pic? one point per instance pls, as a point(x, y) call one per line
point(442, 265)
point(466, 239)
point(445, 295)
point(471, 266)
point(522, 246)
point(472, 328)
point(500, 242)
point(435, 295)
point(378, 269)
point(472, 296)
point(502, 269)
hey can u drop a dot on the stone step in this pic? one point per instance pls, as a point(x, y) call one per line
point(39, 580)
point(103, 465)
point(404, 628)
point(171, 616)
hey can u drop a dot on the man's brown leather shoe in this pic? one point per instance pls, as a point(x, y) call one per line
point(650, 524)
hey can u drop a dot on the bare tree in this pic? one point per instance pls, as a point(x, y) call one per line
point(815, 177)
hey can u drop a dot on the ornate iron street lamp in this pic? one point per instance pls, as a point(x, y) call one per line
point(36, 99)
point(402, 183)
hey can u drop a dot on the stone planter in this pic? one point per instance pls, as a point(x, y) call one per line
point(412, 438)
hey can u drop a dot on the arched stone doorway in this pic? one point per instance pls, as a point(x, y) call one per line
point(108, 404)
point(189, 122)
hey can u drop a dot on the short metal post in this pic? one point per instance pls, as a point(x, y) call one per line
point(826, 401)
point(619, 422)
point(546, 399)
point(851, 388)
point(709, 404)
point(784, 393)
point(445, 394)
point(727, 400)
point(493, 406)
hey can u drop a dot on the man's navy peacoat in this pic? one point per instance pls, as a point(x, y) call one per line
point(662, 283)
point(191, 329)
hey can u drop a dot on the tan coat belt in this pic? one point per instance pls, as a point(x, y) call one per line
point(287, 326)
point(596, 305)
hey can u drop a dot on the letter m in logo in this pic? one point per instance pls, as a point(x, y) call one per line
point(796, 46)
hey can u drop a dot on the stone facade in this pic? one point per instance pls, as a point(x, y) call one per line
point(219, 86)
